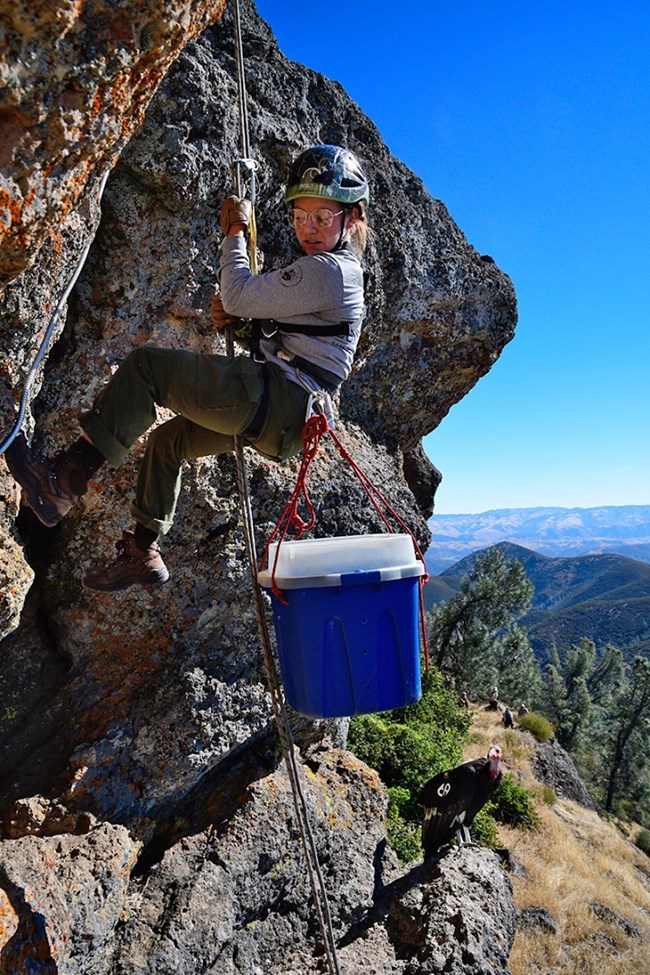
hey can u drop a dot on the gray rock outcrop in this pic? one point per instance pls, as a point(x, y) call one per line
point(537, 917)
point(553, 766)
point(234, 898)
point(142, 723)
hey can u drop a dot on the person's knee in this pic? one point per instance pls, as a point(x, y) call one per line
point(161, 437)
point(145, 359)
point(140, 359)
point(170, 439)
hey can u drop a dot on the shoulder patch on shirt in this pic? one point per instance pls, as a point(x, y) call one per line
point(291, 276)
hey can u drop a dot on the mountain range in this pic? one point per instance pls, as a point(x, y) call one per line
point(559, 532)
point(605, 597)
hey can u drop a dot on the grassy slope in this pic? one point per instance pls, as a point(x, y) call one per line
point(573, 859)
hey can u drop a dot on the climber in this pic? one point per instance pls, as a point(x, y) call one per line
point(508, 719)
point(312, 310)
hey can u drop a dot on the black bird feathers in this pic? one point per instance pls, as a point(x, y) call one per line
point(452, 799)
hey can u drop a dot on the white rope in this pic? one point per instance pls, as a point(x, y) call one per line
point(319, 891)
point(42, 349)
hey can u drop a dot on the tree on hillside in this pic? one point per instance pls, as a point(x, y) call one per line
point(628, 735)
point(516, 669)
point(578, 694)
point(601, 711)
point(474, 636)
point(555, 698)
point(607, 676)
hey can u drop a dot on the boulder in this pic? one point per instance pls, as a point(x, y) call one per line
point(553, 766)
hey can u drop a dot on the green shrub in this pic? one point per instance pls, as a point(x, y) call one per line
point(404, 838)
point(484, 829)
point(548, 795)
point(410, 745)
point(368, 740)
point(398, 798)
point(642, 814)
point(407, 747)
point(643, 841)
point(510, 803)
point(403, 834)
point(629, 810)
point(540, 727)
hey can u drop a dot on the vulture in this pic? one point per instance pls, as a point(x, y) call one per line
point(452, 799)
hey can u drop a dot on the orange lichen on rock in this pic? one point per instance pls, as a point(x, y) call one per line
point(100, 84)
point(8, 920)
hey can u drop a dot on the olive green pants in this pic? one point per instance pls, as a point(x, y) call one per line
point(214, 397)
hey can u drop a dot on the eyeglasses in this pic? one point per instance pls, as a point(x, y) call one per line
point(322, 218)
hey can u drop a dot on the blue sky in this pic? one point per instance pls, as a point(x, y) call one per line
point(531, 122)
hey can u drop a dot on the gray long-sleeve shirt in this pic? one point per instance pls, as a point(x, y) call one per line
point(317, 289)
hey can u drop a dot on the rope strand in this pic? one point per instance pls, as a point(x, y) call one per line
point(47, 338)
point(317, 884)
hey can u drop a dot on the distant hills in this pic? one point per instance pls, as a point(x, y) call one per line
point(605, 597)
point(561, 532)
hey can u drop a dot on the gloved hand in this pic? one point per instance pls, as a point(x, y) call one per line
point(234, 211)
point(220, 318)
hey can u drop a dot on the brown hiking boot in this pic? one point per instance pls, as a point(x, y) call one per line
point(133, 566)
point(47, 484)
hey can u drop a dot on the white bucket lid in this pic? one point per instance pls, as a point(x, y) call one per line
point(314, 562)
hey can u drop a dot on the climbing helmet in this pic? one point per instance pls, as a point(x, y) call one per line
point(330, 172)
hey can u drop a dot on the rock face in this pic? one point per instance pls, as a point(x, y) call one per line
point(553, 766)
point(77, 79)
point(235, 898)
point(142, 722)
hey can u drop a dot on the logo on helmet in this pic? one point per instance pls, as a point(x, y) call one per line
point(318, 172)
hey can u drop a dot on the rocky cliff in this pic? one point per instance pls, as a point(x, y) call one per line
point(146, 819)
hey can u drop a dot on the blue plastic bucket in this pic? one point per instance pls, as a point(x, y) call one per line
point(348, 640)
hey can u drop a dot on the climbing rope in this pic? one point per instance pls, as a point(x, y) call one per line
point(31, 375)
point(246, 168)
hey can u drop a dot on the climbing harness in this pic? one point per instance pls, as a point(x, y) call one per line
point(267, 328)
point(244, 169)
point(47, 338)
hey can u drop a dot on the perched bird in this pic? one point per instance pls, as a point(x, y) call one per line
point(452, 799)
